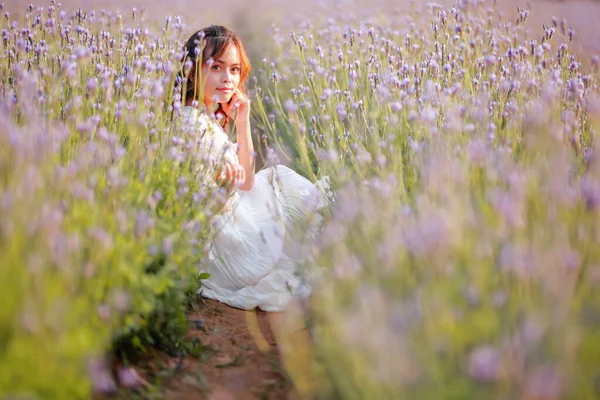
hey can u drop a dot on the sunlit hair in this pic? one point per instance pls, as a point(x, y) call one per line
point(212, 42)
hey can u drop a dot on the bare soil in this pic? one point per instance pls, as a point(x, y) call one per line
point(241, 360)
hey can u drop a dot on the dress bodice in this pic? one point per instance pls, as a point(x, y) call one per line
point(213, 140)
point(214, 149)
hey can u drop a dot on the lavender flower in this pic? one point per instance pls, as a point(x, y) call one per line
point(485, 364)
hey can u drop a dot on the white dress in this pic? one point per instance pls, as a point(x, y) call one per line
point(263, 235)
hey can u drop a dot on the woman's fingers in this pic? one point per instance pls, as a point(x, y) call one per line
point(235, 99)
point(231, 105)
point(241, 175)
point(236, 175)
point(232, 174)
point(236, 104)
point(241, 98)
point(225, 175)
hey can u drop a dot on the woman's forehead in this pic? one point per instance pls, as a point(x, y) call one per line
point(230, 55)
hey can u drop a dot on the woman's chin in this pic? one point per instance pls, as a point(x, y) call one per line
point(220, 98)
point(223, 98)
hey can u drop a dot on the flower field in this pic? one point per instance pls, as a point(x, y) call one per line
point(461, 258)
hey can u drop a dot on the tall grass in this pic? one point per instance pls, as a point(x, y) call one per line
point(461, 259)
point(104, 214)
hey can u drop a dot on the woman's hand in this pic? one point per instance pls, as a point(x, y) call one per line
point(232, 175)
point(238, 108)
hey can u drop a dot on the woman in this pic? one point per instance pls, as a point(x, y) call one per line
point(253, 260)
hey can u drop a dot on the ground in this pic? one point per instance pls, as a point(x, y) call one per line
point(237, 367)
point(240, 360)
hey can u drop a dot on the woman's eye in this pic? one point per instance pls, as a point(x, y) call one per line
point(235, 69)
point(216, 67)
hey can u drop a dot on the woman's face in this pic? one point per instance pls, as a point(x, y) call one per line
point(221, 77)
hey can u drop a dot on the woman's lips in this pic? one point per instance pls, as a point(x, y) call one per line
point(224, 90)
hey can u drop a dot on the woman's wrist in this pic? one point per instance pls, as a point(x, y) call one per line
point(242, 128)
point(242, 119)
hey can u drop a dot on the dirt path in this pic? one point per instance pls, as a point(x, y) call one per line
point(237, 358)
point(241, 359)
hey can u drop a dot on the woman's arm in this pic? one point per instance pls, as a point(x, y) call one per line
point(238, 109)
point(245, 151)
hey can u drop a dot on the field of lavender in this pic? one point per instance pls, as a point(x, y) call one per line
point(461, 258)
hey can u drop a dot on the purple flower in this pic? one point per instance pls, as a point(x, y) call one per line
point(129, 378)
point(396, 106)
point(509, 205)
point(485, 364)
point(428, 233)
point(290, 106)
point(347, 267)
point(102, 380)
point(104, 312)
point(590, 192)
point(544, 383)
